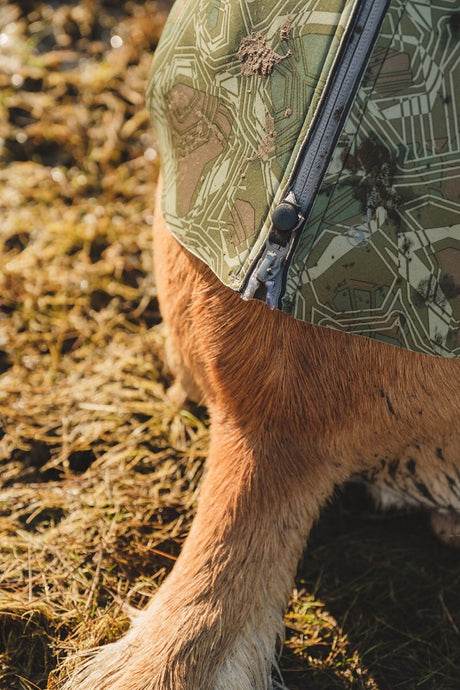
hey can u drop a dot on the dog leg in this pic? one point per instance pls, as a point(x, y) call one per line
point(446, 526)
point(184, 386)
point(216, 621)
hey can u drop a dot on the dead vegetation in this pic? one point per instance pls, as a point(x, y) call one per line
point(98, 469)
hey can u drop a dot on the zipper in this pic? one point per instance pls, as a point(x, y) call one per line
point(288, 217)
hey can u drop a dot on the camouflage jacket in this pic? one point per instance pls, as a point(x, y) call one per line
point(235, 87)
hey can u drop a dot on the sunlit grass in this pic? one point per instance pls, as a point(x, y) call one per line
point(99, 470)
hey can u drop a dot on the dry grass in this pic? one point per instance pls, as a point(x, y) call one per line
point(98, 469)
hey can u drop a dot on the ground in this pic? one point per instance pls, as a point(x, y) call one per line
point(99, 471)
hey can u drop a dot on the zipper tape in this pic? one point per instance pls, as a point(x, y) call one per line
point(349, 70)
point(291, 213)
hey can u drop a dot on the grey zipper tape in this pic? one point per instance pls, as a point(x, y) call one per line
point(292, 212)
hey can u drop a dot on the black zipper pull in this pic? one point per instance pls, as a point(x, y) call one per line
point(286, 219)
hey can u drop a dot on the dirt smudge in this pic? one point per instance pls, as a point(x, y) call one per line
point(285, 29)
point(376, 188)
point(256, 57)
point(267, 145)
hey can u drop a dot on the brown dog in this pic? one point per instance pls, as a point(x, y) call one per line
point(295, 410)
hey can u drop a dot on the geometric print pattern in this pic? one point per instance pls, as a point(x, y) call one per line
point(233, 92)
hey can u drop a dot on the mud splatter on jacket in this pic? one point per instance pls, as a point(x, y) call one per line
point(235, 88)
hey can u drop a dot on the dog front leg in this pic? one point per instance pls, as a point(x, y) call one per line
point(216, 621)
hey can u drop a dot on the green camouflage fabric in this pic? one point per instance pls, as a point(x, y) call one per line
point(235, 86)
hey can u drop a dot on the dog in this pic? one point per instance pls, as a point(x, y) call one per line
point(296, 409)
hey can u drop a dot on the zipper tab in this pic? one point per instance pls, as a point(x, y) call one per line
point(268, 271)
point(291, 213)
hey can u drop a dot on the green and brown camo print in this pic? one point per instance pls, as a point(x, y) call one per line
point(234, 88)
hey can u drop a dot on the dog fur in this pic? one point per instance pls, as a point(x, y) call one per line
point(295, 411)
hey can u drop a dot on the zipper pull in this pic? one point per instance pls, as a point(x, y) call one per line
point(269, 270)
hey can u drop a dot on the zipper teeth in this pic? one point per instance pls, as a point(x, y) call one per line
point(333, 110)
point(369, 17)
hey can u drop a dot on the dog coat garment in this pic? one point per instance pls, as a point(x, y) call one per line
point(237, 92)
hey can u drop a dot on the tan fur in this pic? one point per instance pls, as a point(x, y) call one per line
point(295, 410)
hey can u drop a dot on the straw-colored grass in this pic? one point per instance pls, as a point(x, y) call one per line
point(98, 468)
